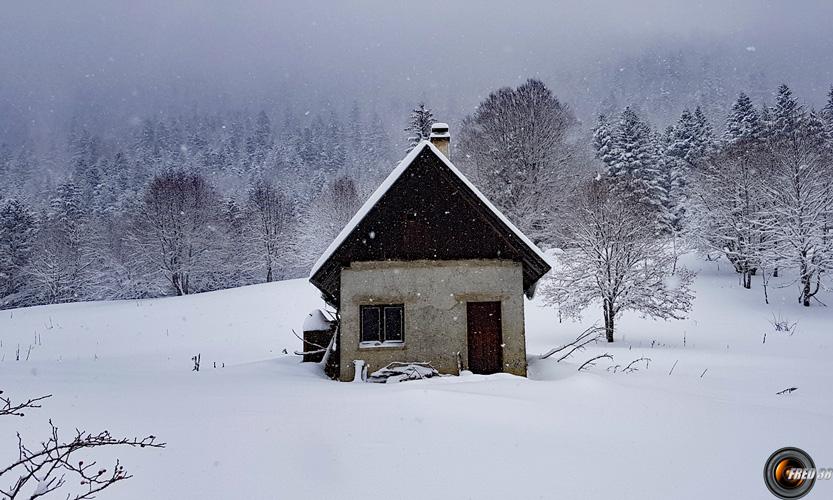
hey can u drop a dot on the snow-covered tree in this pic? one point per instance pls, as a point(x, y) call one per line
point(17, 234)
point(269, 222)
point(728, 200)
point(672, 179)
point(60, 269)
point(786, 116)
point(177, 230)
point(614, 259)
point(419, 125)
point(743, 123)
point(827, 114)
point(798, 193)
point(729, 208)
point(603, 141)
point(633, 165)
point(703, 133)
point(693, 139)
point(259, 142)
point(323, 218)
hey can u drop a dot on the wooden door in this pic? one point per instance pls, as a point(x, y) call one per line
point(484, 336)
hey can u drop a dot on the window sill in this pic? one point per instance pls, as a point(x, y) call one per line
point(365, 346)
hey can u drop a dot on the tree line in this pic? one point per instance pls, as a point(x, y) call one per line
point(624, 202)
point(206, 202)
point(186, 204)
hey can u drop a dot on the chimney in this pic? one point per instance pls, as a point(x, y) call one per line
point(441, 138)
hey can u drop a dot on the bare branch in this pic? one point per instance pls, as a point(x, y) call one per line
point(9, 408)
point(592, 361)
point(631, 368)
point(47, 466)
point(583, 339)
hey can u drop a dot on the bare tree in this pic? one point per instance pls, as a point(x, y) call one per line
point(268, 223)
point(176, 228)
point(515, 146)
point(615, 257)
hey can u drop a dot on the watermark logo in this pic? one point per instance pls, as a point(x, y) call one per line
point(790, 473)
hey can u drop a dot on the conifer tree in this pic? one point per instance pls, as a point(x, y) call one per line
point(683, 145)
point(672, 180)
point(634, 170)
point(743, 125)
point(704, 135)
point(603, 141)
point(419, 125)
point(787, 116)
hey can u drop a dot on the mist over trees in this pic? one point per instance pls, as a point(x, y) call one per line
point(199, 202)
point(181, 205)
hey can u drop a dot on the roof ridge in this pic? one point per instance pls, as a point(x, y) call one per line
point(395, 174)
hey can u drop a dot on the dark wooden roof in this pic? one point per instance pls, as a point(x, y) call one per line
point(427, 210)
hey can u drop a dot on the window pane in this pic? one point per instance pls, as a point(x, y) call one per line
point(371, 327)
point(393, 324)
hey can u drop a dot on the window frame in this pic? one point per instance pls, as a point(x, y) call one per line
point(383, 340)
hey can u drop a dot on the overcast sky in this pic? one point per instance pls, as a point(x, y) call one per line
point(124, 58)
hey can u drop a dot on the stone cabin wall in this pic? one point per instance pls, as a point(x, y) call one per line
point(434, 294)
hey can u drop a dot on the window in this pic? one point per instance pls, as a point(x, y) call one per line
point(383, 323)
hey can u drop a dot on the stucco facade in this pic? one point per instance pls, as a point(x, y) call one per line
point(434, 294)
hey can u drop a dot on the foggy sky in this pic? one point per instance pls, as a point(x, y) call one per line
point(112, 61)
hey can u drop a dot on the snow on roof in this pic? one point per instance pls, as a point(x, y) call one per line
point(440, 129)
point(316, 322)
point(390, 180)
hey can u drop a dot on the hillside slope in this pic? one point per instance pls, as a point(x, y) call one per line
point(262, 425)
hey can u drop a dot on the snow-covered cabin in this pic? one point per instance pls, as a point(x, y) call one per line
point(428, 270)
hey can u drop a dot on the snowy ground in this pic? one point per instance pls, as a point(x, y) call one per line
point(265, 426)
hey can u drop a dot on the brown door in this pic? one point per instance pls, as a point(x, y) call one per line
point(485, 339)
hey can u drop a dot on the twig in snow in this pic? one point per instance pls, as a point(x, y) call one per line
point(704, 372)
point(672, 368)
point(592, 361)
point(781, 324)
point(588, 336)
point(787, 391)
point(630, 368)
